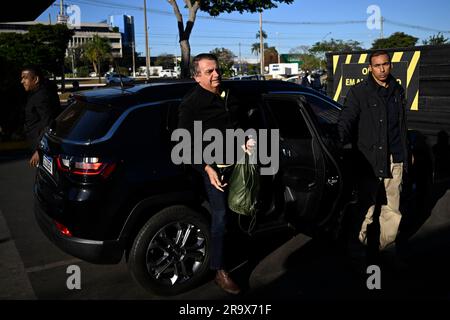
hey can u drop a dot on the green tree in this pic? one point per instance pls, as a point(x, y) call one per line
point(334, 45)
point(83, 71)
point(96, 51)
point(44, 46)
point(167, 61)
point(435, 40)
point(49, 45)
point(395, 40)
point(74, 58)
point(319, 49)
point(214, 8)
point(226, 60)
point(251, 68)
point(15, 49)
point(310, 60)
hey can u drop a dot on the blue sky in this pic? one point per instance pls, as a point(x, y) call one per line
point(288, 26)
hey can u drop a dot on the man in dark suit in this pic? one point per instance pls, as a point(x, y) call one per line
point(41, 108)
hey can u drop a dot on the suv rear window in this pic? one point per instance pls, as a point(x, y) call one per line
point(83, 121)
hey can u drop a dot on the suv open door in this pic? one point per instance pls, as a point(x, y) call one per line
point(309, 173)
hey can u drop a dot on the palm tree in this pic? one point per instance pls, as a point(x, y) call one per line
point(96, 51)
point(264, 35)
point(256, 46)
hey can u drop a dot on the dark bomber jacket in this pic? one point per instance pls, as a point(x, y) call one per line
point(363, 121)
point(41, 108)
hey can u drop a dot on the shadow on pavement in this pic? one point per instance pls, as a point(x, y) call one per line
point(415, 268)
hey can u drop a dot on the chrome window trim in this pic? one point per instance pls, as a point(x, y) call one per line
point(305, 93)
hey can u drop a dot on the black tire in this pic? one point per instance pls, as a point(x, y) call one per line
point(161, 262)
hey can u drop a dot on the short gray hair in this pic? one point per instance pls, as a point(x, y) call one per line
point(202, 56)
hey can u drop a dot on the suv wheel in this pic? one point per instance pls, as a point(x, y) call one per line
point(170, 254)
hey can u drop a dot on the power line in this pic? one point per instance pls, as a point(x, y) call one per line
point(401, 24)
point(115, 5)
point(303, 36)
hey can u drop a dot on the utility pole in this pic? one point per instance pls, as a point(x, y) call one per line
point(240, 60)
point(49, 19)
point(147, 53)
point(278, 49)
point(73, 62)
point(261, 44)
point(381, 27)
point(133, 59)
point(62, 19)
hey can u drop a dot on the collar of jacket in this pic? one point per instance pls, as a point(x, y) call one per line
point(36, 90)
point(392, 82)
point(206, 97)
point(206, 93)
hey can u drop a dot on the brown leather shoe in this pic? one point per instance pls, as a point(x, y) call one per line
point(224, 281)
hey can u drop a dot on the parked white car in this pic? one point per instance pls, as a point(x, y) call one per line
point(295, 79)
point(115, 79)
point(248, 77)
point(168, 73)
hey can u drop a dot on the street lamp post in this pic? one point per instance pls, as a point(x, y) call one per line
point(147, 54)
point(326, 35)
point(323, 38)
point(261, 44)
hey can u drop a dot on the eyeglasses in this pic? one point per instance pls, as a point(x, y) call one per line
point(379, 65)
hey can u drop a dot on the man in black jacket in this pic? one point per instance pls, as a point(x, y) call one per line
point(41, 108)
point(374, 121)
point(216, 109)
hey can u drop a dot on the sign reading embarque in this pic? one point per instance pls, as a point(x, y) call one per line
point(350, 69)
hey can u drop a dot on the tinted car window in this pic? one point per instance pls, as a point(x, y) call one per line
point(288, 118)
point(325, 112)
point(142, 141)
point(138, 131)
point(85, 121)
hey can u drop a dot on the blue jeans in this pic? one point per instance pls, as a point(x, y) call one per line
point(218, 203)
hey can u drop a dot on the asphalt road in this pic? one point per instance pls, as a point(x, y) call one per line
point(300, 269)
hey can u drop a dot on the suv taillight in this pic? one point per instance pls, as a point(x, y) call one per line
point(86, 166)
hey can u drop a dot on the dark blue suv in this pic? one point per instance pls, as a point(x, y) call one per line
point(106, 186)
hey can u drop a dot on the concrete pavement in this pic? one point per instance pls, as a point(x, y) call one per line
point(31, 267)
point(13, 277)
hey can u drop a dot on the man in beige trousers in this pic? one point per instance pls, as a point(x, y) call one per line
point(374, 121)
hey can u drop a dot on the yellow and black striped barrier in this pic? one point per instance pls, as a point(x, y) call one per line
point(350, 69)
